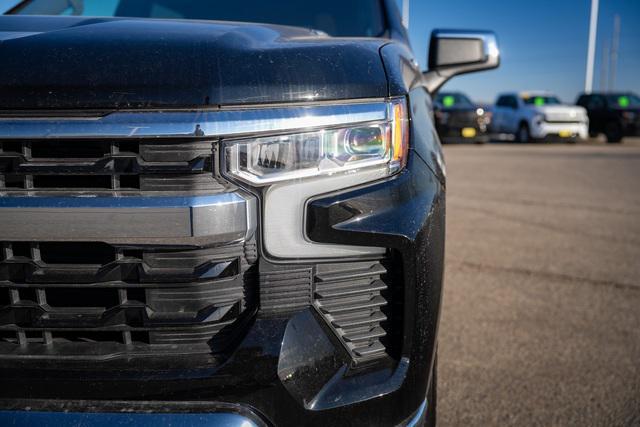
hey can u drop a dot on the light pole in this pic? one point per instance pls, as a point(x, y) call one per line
point(615, 47)
point(591, 50)
point(405, 13)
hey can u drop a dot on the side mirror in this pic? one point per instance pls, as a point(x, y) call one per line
point(459, 52)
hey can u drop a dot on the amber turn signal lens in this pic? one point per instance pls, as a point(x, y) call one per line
point(400, 137)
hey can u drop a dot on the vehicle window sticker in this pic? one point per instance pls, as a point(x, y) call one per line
point(623, 101)
point(448, 101)
point(539, 101)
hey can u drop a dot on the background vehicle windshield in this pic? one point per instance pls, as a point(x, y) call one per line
point(624, 101)
point(334, 17)
point(541, 100)
point(452, 100)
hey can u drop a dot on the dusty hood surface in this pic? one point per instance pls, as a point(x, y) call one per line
point(115, 63)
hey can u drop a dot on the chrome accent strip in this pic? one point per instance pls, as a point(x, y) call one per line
point(284, 216)
point(8, 35)
point(220, 218)
point(130, 419)
point(119, 202)
point(419, 415)
point(218, 123)
point(252, 216)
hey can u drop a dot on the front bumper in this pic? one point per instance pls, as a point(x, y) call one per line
point(454, 139)
point(211, 416)
point(233, 417)
point(456, 134)
point(631, 129)
point(558, 131)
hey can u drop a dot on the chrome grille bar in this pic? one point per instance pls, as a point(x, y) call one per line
point(207, 123)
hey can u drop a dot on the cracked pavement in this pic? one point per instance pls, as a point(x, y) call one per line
point(541, 319)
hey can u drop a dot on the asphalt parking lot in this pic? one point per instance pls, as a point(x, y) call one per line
point(541, 320)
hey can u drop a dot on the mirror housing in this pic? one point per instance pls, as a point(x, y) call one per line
point(459, 52)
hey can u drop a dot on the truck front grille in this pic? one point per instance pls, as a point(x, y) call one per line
point(463, 119)
point(107, 165)
point(565, 117)
point(94, 300)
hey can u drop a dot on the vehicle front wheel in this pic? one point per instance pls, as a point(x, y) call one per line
point(523, 133)
point(613, 133)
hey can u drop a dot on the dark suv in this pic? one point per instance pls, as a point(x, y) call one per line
point(210, 222)
point(614, 114)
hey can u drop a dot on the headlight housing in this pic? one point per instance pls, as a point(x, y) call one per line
point(629, 115)
point(539, 119)
point(323, 149)
point(343, 148)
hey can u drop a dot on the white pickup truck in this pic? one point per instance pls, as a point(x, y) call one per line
point(538, 116)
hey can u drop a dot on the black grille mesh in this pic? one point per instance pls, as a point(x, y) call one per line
point(84, 300)
point(463, 119)
point(110, 165)
point(285, 289)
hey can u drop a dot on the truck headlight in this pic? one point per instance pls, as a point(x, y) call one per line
point(274, 158)
point(348, 145)
point(538, 119)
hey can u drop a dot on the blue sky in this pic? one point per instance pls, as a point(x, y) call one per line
point(543, 42)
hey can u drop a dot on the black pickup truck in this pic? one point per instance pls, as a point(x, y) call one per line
point(207, 221)
point(458, 119)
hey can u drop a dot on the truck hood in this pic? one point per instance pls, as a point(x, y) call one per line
point(116, 63)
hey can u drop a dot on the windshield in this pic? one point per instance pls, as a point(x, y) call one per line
point(351, 18)
point(624, 101)
point(541, 100)
point(452, 100)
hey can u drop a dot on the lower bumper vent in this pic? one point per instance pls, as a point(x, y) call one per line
point(355, 299)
